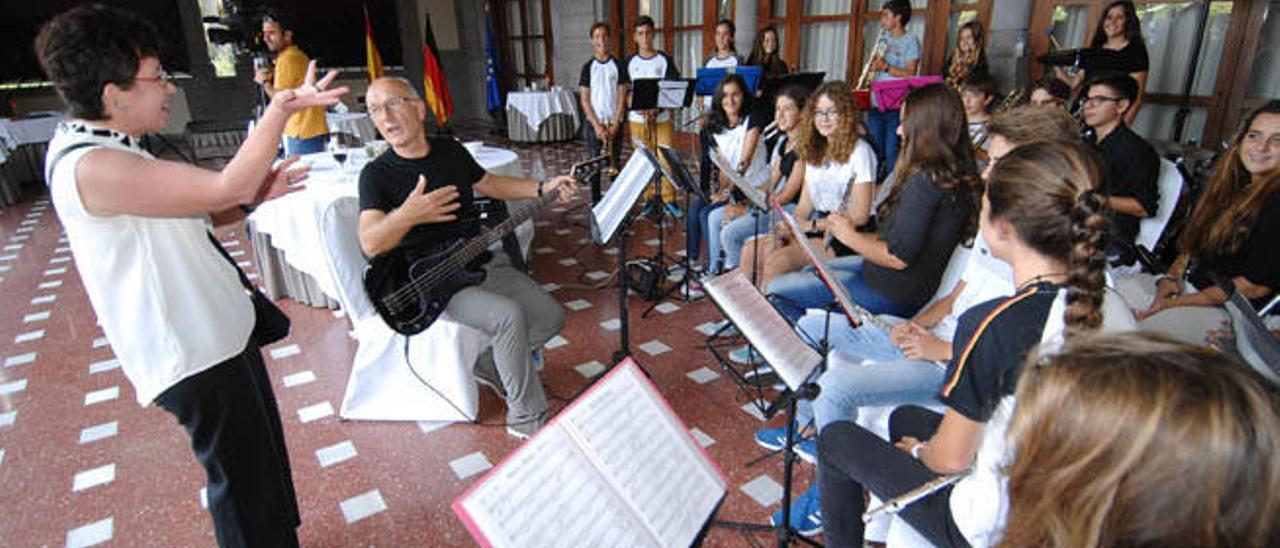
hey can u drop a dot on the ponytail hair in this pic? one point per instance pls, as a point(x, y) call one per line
point(1046, 191)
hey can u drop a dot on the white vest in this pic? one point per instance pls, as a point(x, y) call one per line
point(170, 304)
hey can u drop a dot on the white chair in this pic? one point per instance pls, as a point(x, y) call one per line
point(381, 385)
point(1170, 184)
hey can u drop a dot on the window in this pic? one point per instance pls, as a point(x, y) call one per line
point(222, 57)
point(527, 29)
point(1264, 80)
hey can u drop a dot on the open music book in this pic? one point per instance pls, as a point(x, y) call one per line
point(608, 215)
point(756, 196)
point(615, 468)
point(763, 327)
point(856, 313)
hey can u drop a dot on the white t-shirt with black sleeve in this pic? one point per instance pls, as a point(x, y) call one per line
point(601, 79)
point(828, 183)
point(659, 66)
point(170, 304)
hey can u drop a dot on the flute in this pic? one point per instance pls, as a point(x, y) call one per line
point(896, 504)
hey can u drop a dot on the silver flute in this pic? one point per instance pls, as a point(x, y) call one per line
point(898, 503)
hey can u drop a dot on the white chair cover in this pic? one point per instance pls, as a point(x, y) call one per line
point(381, 385)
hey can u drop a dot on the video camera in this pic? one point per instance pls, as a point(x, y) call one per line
point(242, 27)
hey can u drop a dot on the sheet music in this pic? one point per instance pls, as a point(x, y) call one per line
point(551, 495)
point(671, 93)
point(763, 327)
point(755, 195)
point(644, 452)
point(617, 468)
point(612, 210)
point(856, 313)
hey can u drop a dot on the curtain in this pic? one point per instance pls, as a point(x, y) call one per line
point(825, 47)
point(1265, 79)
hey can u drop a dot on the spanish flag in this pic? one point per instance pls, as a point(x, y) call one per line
point(373, 59)
point(438, 98)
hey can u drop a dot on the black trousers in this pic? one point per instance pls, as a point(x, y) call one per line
point(230, 413)
point(594, 148)
point(851, 457)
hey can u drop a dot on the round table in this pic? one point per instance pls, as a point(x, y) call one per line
point(542, 115)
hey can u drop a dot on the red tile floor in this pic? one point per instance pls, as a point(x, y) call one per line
point(81, 463)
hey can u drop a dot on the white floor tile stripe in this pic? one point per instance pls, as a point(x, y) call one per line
point(104, 365)
point(44, 299)
point(7, 419)
point(55, 271)
point(285, 351)
point(20, 359)
point(299, 378)
point(93, 477)
point(655, 347)
point(336, 453)
point(50, 284)
point(13, 387)
point(578, 304)
point(764, 490)
point(29, 336)
point(57, 260)
point(36, 316)
point(470, 465)
point(315, 412)
point(555, 342)
point(100, 342)
point(90, 534)
point(589, 369)
point(702, 375)
point(99, 432)
point(362, 506)
point(99, 396)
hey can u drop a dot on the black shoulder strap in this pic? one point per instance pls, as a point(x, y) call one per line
point(53, 163)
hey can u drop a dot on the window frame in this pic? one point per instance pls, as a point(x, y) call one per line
point(508, 39)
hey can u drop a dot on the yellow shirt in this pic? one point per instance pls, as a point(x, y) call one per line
point(291, 70)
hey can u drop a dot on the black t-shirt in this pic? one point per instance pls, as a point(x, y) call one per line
point(922, 228)
point(1133, 168)
point(386, 182)
point(991, 344)
point(1256, 259)
point(1131, 58)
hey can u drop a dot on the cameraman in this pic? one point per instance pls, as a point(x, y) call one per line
point(306, 130)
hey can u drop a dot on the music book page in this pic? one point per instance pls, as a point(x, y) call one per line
point(855, 312)
point(612, 210)
point(671, 93)
point(753, 194)
point(616, 468)
point(763, 327)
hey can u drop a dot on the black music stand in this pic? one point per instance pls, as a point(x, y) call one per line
point(798, 365)
point(610, 217)
point(770, 86)
point(679, 174)
point(668, 95)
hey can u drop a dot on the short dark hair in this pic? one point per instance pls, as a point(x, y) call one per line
point(980, 82)
point(900, 8)
point(1119, 82)
point(733, 29)
point(598, 25)
point(83, 49)
point(644, 21)
point(274, 16)
point(1053, 86)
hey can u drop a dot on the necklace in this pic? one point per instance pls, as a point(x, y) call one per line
point(1037, 279)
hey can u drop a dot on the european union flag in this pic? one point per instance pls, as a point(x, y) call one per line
point(493, 97)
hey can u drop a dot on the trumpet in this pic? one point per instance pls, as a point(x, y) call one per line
point(611, 169)
point(877, 51)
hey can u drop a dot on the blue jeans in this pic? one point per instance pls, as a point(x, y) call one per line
point(736, 233)
point(796, 292)
point(712, 228)
point(883, 127)
point(697, 225)
point(295, 146)
point(886, 377)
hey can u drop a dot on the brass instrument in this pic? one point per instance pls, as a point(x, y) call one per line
point(611, 170)
point(1014, 98)
point(877, 51)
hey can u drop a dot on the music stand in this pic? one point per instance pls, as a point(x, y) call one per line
point(855, 312)
point(709, 78)
point(656, 94)
point(770, 86)
point(796, 363)
point(609, 218)
point(676, 171)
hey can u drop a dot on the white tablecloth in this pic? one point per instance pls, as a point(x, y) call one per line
point(15, 133)
point(294, 221)
point(537, 106)
point(352, 123)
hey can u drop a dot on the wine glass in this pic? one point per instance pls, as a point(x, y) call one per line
point(338, 151)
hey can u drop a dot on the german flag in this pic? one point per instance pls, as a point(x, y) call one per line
point(438, 98)
point(373, 59)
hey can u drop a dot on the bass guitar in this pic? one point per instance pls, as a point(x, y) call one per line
point(410, 294)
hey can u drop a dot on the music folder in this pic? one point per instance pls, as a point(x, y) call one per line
point(709, 78)
point(856, 313)
point(617, 467)
point(763, 327)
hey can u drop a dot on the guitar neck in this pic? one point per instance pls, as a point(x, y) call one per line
point(479, 244)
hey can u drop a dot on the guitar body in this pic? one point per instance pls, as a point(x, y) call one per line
point(411, 294)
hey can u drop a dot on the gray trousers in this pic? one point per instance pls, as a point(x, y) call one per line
point(520, 316)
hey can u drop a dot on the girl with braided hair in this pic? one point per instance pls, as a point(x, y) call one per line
point(1039, 214)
